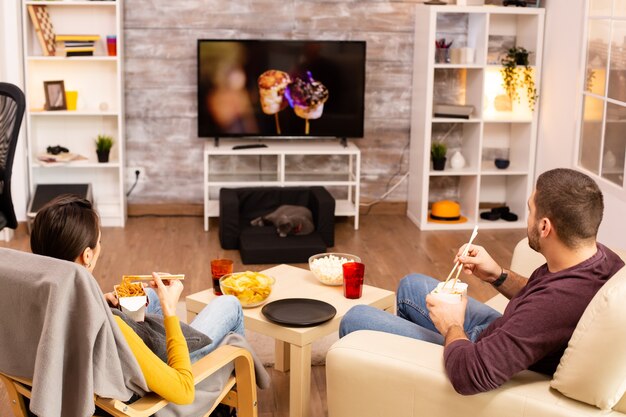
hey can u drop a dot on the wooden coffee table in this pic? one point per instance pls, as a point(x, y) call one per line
point(293, 344)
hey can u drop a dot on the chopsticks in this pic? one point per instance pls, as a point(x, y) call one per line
point(458, 265)
point(150, 277)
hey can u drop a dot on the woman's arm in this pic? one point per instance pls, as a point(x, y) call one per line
point(172, 380)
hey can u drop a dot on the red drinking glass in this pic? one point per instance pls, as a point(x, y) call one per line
point(219, 268)
point(353, 273)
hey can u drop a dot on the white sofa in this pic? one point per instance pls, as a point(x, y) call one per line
point(378, 374)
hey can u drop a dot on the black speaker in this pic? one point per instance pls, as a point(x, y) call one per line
point(46, 192)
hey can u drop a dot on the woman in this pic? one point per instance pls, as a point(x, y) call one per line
point(69, 228)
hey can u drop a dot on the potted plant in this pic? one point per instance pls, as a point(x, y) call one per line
point(438, 155)
point(514, 78)
point(103, 147)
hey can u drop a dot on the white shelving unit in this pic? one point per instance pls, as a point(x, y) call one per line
point(281, 170)
point(100, 110)
point(479, 185)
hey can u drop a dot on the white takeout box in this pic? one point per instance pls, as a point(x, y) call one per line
point(133, 307)
point(448, 293)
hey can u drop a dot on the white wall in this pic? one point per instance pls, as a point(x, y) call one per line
point(11, 72)
point(560, 104)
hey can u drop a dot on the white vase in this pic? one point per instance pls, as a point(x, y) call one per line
point(457, 161)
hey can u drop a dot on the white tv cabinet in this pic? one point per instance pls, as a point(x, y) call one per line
point(283, 164)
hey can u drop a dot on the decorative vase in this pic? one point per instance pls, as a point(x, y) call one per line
point(103, 156)
point(439, 163)
point(457, 161)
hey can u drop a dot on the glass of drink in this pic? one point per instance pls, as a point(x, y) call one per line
point(219, 268)
point(112, 45)
point(353, 273)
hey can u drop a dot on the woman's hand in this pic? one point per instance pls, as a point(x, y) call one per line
point(111, 299)
point(479, 263)
point(168, 293)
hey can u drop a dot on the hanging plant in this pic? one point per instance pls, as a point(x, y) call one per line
point(514, 78)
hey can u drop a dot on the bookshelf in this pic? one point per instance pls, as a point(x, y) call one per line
point(491, 131)
point(98, 80)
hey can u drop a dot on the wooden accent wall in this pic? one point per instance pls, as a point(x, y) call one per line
point(160, 81)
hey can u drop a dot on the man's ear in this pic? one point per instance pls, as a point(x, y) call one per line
point(546, 227)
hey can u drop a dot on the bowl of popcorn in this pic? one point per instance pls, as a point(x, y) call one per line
point(327, 267)
point(250, 288)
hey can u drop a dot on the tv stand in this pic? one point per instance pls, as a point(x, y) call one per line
point(284, 164)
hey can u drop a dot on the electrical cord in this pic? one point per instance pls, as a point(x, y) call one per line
point(130, 190)
point(381, 198)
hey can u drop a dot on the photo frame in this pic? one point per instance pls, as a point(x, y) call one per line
point(532, 3)
point(55, 95)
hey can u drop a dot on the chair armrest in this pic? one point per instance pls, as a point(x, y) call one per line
point(379, 374)
point(205, 367)
point(322, 206)
point(229, 228)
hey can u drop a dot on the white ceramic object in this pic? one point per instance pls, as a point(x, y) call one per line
point(457, 161)
point(448, 293)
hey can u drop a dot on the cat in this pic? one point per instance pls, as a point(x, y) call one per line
point(288, 220)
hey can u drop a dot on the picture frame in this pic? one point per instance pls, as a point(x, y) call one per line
point(55, 95)
point(532, 3)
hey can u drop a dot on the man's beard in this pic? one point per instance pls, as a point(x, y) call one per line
point(533, 239)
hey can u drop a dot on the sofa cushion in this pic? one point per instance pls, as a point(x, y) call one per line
point(593, 367)
point(262, 245)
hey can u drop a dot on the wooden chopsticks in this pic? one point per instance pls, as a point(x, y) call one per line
point(458, 265)
point(150, 277)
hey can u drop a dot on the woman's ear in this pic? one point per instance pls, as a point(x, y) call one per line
point(85, 257)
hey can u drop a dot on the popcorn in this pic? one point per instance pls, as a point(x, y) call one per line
point(328, 269)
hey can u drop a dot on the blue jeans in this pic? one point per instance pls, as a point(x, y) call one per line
point(413, 319)
point(221, 316)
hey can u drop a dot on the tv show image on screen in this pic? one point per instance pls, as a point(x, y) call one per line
point(281, 88)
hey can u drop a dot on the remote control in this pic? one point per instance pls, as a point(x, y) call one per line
point(251, 146)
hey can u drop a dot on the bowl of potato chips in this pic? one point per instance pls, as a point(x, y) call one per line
point(251, 288)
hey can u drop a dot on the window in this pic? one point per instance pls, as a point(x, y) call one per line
point(602, 141)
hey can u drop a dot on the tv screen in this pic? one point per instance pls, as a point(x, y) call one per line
point(281, 88)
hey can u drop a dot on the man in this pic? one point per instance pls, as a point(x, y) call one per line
point(482, 348)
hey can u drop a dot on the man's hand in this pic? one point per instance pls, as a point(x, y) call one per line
point(479, 263)
point(447, 316)
point(168, 293)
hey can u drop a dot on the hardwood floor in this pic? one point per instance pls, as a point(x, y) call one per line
point(391, 246)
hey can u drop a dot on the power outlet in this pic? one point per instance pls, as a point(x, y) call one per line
point(130, 175)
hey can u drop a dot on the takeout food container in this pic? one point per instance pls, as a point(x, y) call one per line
point(250, 288)
point(133, 307)
point(448, 293)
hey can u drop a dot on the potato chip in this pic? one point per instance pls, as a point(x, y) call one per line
point(251, 288)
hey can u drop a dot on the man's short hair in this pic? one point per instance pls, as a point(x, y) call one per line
point(572, 201)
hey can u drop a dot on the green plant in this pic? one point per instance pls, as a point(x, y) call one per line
point(104, 143)
point(438, 150)
point(514, 78)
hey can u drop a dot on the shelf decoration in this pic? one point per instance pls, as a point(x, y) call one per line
point(514, 78)
point(43, 26)
point(104, 143)
point(438, 154)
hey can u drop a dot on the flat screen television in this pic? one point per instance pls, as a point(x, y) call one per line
point(281, 88)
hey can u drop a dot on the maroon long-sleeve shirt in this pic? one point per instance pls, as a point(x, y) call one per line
point(535, 328)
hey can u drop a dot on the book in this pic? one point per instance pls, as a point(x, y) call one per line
point(43, 27)
point(61, 38)
point(79, 53)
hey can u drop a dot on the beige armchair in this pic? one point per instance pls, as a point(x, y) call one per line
point(378, 374)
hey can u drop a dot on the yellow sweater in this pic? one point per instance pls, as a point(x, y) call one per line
point(174, 380)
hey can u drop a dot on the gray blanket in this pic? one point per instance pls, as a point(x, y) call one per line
point(208, 390)
point(57, 330)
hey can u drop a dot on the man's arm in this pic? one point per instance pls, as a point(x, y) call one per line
point(479, 263)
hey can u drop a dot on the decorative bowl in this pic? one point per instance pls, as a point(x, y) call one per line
point(502, 163)
point(327, 267)
point(250, 288)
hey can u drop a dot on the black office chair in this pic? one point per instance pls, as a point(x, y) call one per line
point(12, 105)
